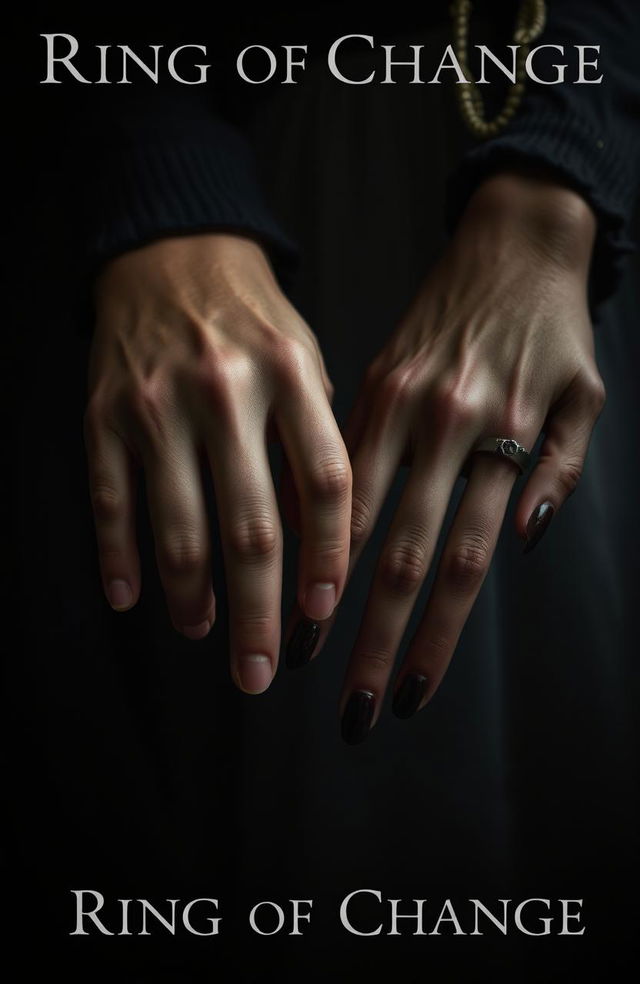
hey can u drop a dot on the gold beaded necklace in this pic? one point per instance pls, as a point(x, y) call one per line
point(530, 22)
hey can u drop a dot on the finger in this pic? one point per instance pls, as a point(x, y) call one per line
point(181, 533)
point(112, 490)
point(289, 500)
point(400, 573)
point(252, 542)
point(559, 466)
point(322, 474)
point(374, 466)
point(464, 563)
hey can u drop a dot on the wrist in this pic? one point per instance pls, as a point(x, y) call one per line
point(182, 256)
point(533, 208)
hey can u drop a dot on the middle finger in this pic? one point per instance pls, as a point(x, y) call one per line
point(461, 572)
point(251, 536)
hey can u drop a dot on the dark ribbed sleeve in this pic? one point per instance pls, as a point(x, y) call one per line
point(149, 162)
point(588, 133)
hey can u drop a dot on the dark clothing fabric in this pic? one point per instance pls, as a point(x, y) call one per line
point(588, 134)
point(147, 160)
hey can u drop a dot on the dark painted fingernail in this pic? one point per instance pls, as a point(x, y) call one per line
point(538, 525)
point(409, 695)
point(302, 643)
point(357, 717)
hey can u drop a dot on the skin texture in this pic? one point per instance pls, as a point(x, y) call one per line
point(497, 342)
point(196, 356)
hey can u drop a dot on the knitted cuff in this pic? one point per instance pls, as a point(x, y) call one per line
point(157, 188)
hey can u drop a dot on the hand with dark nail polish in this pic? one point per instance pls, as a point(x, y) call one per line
point(408, 696)
point(167, 284)
point(357, 717)
point(471, 358)
point(538, 525)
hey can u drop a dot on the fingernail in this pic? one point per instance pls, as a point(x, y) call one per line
point(319, 601)
point(538, 524)
point(357, 717)
point(120, 595)
point(409, 695)
point(255, 673)
point(302, 643)
point(196, 631)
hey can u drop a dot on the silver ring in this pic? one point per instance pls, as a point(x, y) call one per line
point(505, 447)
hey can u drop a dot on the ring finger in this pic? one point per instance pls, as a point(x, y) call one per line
point(181, 534)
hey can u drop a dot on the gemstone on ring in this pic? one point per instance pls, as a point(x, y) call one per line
point(505, 447)
point(509, 447)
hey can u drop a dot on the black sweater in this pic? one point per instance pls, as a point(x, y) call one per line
point(147, 160)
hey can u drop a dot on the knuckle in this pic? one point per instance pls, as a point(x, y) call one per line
point(376, 659)
point(106, 501)
point(255, 625)
point(403, 568)
point(330, 480)
point(150, 405)
point(216, 376)
point(437, 647)
point(180, 555)
point(276, 342)
point(254, 537)
point(595, 394)
point(569, 476)
point(223, 374)
point(112, 555)
point(467, 564)
point(361, 516)
point(331, 550)
point(290, 360)
point(399, 387)
point(453, 405)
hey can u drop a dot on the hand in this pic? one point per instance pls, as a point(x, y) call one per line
point(498, 342)
point(196, 351)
